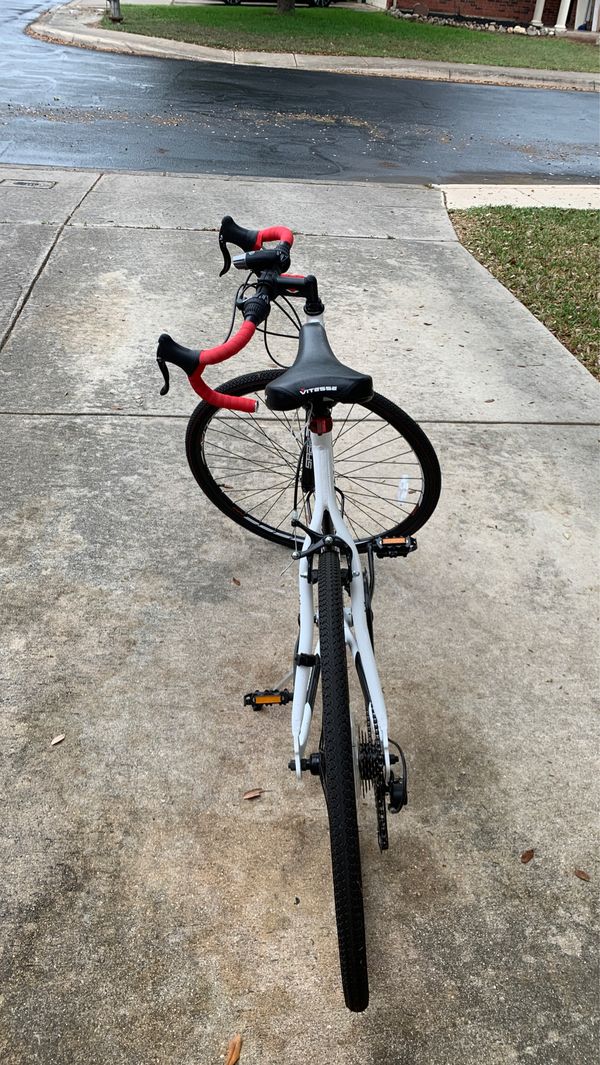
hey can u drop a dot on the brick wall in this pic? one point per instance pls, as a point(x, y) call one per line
point(508, 11)
point(551, 12)
point(503, 10)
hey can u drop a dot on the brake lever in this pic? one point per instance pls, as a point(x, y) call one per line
point(231, 233)
point(225, 254)
point(165, 372)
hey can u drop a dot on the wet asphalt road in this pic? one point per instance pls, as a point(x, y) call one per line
point(69, 107)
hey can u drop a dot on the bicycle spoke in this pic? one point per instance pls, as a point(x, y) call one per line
point(352, 526)
point(382, 443)
point(392, 500)
point(232, 474)
point(375, 513)
point(354, 425)
point(376, 495)
point(384, 425)
point(277, 462)
point(291, 511)
point(366, 490)
point(262, 432)
point(367, 532)
point(266, 514)
point(245, 458)
point(340, 431)
point(377, 462)
point(388, 502)
point(287, 425)
point(273, 487)
point(274, 494)
point(274, 449)
point(393, 481)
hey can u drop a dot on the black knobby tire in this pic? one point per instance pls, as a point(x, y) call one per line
point(205, 420)
point(337, 769)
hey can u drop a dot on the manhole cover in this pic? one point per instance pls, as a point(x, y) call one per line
point(17, 183)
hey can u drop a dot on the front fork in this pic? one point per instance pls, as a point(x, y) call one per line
point(356, 622)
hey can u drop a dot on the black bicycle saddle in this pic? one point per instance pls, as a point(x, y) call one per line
point(317, 374)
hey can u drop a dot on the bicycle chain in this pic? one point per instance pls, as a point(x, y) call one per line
point(372, 773)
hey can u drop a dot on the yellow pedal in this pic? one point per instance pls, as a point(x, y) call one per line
point(394, 546)
point(267, 698)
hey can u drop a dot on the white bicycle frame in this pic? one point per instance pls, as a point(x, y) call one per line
point(356, 628)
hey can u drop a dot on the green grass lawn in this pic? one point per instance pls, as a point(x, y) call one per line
point(550, 259)
point(328, 31)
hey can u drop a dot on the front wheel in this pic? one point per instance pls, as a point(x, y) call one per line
point(337, 775)
point(387, 474)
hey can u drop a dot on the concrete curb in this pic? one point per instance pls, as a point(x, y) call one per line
point(73, 25)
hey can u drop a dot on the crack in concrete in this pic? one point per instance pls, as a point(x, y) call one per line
point(148, 415)
point(24, 300)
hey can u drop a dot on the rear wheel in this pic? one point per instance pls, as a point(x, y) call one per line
point(387, 473)
point(338, 778)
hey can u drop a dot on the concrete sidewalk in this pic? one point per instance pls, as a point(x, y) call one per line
point(578, 197)
point(149, 912)
point(77, 23)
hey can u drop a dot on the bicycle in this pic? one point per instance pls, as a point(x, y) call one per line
point(262, 447)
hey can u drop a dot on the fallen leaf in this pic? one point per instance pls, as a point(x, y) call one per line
point(235, 581)
point(581, 873)
point(527, 856)
point(254, 793)
point(57, 739)
point(234, 1049)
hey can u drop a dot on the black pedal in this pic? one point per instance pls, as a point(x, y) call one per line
point(268, 698)
point(394, 546)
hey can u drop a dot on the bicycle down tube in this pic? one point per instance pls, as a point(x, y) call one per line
point(358, 638)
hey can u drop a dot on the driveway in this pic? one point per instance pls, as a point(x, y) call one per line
point(149, 912)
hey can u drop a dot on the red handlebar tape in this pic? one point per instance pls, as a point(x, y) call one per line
point(230, 347)
point(219, 399)
point(281, 233)
point(219, 354)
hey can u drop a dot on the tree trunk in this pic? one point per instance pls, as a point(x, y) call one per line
point(114, 10)
point(285, 7)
